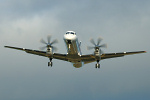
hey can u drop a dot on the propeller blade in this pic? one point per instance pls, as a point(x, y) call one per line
point(48, 38)
point(49, 44)
point(102, 52)
point(55, 48)
point(42, 41)
point(92, 41)
point(97, 46)
point(99, 40)
point(89, 48)
point(42, 48)
point(103, 45)
point(54, 41)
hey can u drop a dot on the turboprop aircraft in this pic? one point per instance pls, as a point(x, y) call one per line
point(74, 54)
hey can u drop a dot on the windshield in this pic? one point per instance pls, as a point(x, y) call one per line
point(71, 33)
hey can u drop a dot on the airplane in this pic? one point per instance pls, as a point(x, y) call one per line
point(74, 54)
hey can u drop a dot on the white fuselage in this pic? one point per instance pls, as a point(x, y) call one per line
point(73, 49)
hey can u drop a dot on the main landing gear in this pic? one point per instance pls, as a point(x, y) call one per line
point(50, 63)
point(97, 65)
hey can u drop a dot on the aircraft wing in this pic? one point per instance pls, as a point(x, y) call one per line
point(41, 53)
point(91, 58)
point(60, 56)
point(35, 52)
point(121, 54)
point(88, 58)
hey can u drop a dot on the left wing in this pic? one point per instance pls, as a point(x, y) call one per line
point(121, 54)
point(91, 58)
point(88, 58)
point(41, 53)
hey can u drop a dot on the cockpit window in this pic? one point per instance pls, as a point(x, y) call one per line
point(71, 33)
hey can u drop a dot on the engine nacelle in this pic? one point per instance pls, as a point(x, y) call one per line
point(49, 51)
point(97, 53)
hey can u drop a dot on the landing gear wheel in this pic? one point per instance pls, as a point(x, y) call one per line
point(97, 65)
point(50, 64)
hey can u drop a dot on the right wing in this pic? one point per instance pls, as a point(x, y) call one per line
point(40, 53)
point(35, 52)
point(60, 56)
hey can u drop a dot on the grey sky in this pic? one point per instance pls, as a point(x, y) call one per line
point(123, 24)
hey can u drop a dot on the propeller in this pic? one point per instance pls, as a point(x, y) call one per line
point(49, 44)
point(96, 46)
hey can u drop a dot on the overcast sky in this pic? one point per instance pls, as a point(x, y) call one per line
point(123, 24)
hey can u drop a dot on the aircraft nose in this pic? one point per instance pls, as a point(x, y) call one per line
point(70, 37)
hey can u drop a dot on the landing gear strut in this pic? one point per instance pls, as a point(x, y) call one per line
point(97, 65)
point(50, 63)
